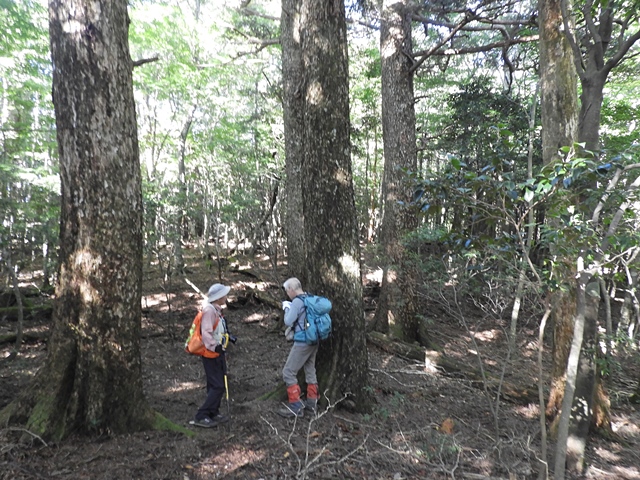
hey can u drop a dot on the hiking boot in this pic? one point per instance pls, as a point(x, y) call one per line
point(221, 418)
point(205, 422)
point(311, 405)
point(292, 410)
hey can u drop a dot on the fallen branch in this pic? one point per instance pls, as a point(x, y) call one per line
point(24, 430)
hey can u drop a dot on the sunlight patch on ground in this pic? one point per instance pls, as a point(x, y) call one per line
point(253, 285)
point(487, 335)
point(607, 455)
point(625, 427)
point(528, 411)
point(225, 462)
point(615, 473)
point(153, 300)
point(375, 276)
point(530, 349)
point(183, 387)
point(254, 317)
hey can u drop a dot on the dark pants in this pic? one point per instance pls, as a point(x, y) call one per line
point(214, 369)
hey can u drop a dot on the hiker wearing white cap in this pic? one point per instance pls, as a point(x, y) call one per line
point(214, 330)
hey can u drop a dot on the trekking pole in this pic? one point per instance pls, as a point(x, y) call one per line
point(225, 341)
point(226, 389)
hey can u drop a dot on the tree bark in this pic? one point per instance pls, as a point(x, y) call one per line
point(6, 255)
point(558, 83)
point(582, 407)
point(330, 228)
point(396, 311)
point(591, 100)
point(91, 380)
point(293, 79)
point(559, 112)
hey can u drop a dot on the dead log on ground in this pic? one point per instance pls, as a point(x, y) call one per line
point(450, 366)
point(244, 271)
point(30, 336)
point(30, 311)
point(262, 297)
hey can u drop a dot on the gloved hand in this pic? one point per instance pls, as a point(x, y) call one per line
point(286, 304)
point(219, 349)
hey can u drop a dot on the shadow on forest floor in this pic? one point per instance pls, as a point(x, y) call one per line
point(424, 424)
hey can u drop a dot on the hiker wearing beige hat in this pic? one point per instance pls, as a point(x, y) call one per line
point(214, 332)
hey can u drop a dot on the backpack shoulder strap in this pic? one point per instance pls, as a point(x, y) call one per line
point(215, 322)
point(302, 296)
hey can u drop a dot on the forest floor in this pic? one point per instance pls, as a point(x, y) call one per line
point(425, 424)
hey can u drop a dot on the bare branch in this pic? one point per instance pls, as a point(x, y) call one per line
point(480, 48)
point(142, 61)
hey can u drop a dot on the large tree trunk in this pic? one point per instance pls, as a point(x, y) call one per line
point(91, 380)
point(559, 112)
point(396, 309)
point(293, 109)
point(330, 226)
point(563, 318)
point(591, 100)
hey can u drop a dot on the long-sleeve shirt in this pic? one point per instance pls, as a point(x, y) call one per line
point(210, 337)
point(295, 315)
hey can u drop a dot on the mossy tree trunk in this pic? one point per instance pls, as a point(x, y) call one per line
point(91, 380)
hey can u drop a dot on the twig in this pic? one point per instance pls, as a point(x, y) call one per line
point(391, 376)
point(391, 449)
point(191, 284)
point(17, 429)
point(455, 467)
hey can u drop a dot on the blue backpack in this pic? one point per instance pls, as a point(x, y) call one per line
point(317, 322)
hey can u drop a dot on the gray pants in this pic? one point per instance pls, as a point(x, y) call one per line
point(300, 355)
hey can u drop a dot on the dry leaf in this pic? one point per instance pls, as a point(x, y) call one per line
point(447, 426)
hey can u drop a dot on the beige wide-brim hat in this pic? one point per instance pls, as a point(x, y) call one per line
point(217, 291)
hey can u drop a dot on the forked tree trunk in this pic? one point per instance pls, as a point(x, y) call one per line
point(330, 228)
point(396, 310)
point(91, 380)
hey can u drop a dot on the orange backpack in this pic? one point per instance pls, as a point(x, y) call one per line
point(194, 344)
